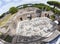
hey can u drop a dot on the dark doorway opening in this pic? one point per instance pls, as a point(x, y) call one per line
point(21, 19)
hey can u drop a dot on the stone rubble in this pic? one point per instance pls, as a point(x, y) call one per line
point(36, 26)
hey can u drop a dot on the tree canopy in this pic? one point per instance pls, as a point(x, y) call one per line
point(13, 10)
point(54, 3)
point(2, 15)
point(25, 5)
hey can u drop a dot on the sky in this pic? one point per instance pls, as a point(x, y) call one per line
point(6, 4)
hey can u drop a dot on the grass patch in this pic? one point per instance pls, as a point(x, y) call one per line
point(0, 33)
point(5, 20)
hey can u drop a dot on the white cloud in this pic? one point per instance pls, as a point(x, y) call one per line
point(15, 0)
point(6, 7)
point(6, 0)
point(0, 3)
point(19, 2)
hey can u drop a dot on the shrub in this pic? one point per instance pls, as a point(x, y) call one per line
point(8, 38)
point(52, 17)
point(13, 10)
point(2, 15)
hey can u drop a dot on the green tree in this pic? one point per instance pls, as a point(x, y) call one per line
point(54, 3)
point(25, 5)
point(2, 15)
point(13, 10)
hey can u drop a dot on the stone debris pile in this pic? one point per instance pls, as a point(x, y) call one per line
point(36, 26)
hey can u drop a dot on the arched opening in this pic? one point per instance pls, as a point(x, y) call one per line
point(29, 17)
point(21, 19)
point(48, 15)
